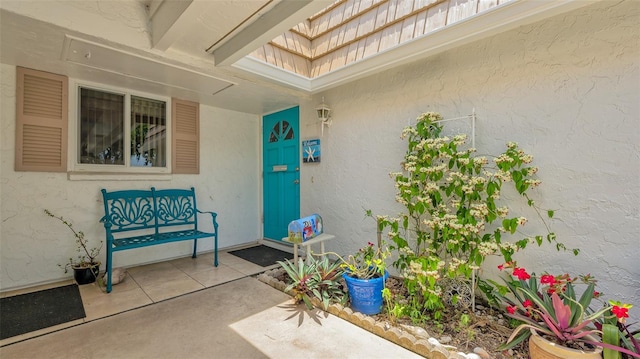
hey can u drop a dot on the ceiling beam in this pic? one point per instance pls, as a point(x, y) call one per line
point(270, 24)
point(172, 19)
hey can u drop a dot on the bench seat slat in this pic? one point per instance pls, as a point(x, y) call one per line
point(151, 239)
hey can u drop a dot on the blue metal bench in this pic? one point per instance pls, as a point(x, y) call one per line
point(141, 218)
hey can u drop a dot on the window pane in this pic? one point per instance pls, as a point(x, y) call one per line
point(148, 132)
point(275, 133)
point(287, 131)
point(101, 127)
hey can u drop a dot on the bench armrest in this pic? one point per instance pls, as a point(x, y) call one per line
point(107, 225)
point(213, 218)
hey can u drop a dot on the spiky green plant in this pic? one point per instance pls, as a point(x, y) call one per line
point(328, 287)
point(315, 279)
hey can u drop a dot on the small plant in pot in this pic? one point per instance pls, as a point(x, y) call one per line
point(85, 266)
point(557, 322)
point(366, 274)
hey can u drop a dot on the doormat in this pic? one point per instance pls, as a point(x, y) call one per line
point(28, 312)
point(263, 256)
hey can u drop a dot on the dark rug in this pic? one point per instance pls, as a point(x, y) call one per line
point(262, 255)
point(25, 313)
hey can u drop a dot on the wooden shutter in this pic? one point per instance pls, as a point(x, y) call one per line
point(185, 116)
point(41, 121)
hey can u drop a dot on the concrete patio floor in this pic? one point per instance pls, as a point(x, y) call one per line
point(189, 309)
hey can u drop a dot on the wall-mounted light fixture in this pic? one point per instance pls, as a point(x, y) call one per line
point(323, 111)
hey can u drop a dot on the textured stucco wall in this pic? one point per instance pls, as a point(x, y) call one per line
point(567, 89)
point(32, 244)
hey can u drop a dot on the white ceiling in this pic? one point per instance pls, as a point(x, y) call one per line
point(156, 46)
point(195, 49)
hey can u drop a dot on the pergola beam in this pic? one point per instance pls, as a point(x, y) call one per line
point(171, 19)
point(269, 25)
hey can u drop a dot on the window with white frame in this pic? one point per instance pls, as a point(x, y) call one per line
point(119, 130)
point(111, 131)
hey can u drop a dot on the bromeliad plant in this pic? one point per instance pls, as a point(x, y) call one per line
point(317, 278)
point(550, 306)
point(537, 303)
point(454, 217)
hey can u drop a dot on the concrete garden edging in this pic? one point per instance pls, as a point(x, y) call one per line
point(411, 338)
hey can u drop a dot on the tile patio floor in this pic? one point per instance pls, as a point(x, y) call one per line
point(148, 284)
point(186, 308)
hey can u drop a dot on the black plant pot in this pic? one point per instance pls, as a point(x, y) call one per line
point(86, 275)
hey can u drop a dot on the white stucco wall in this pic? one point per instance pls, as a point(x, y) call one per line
point(32, 244)
point(566, 89)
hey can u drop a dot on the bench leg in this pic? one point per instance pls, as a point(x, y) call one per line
point(195, 248)
point(215, 251)
point(108, 269)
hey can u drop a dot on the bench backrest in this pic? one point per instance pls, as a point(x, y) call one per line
point(129, 210)
point(175, 207)
point(134, 210)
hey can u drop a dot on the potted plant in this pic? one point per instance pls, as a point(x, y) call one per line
point(557, 322)
point(365, 275)
point(85, 267)
point(365, 272)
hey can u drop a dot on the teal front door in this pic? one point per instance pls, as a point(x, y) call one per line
point(281, 169)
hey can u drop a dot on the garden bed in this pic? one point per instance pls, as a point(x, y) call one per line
point(453, 337)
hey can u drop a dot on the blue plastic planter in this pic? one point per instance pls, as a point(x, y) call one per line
point(366, 294)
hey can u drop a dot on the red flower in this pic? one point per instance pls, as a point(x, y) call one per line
point(596, 294)
point(511, 309)
point(521, 273)
point(620, 312)
point(501, 267)
point(527, 303)
point(548, 279)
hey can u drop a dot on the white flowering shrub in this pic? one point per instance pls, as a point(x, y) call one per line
point(454, 217)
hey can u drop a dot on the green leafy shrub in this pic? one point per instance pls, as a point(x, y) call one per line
point(454, 215)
